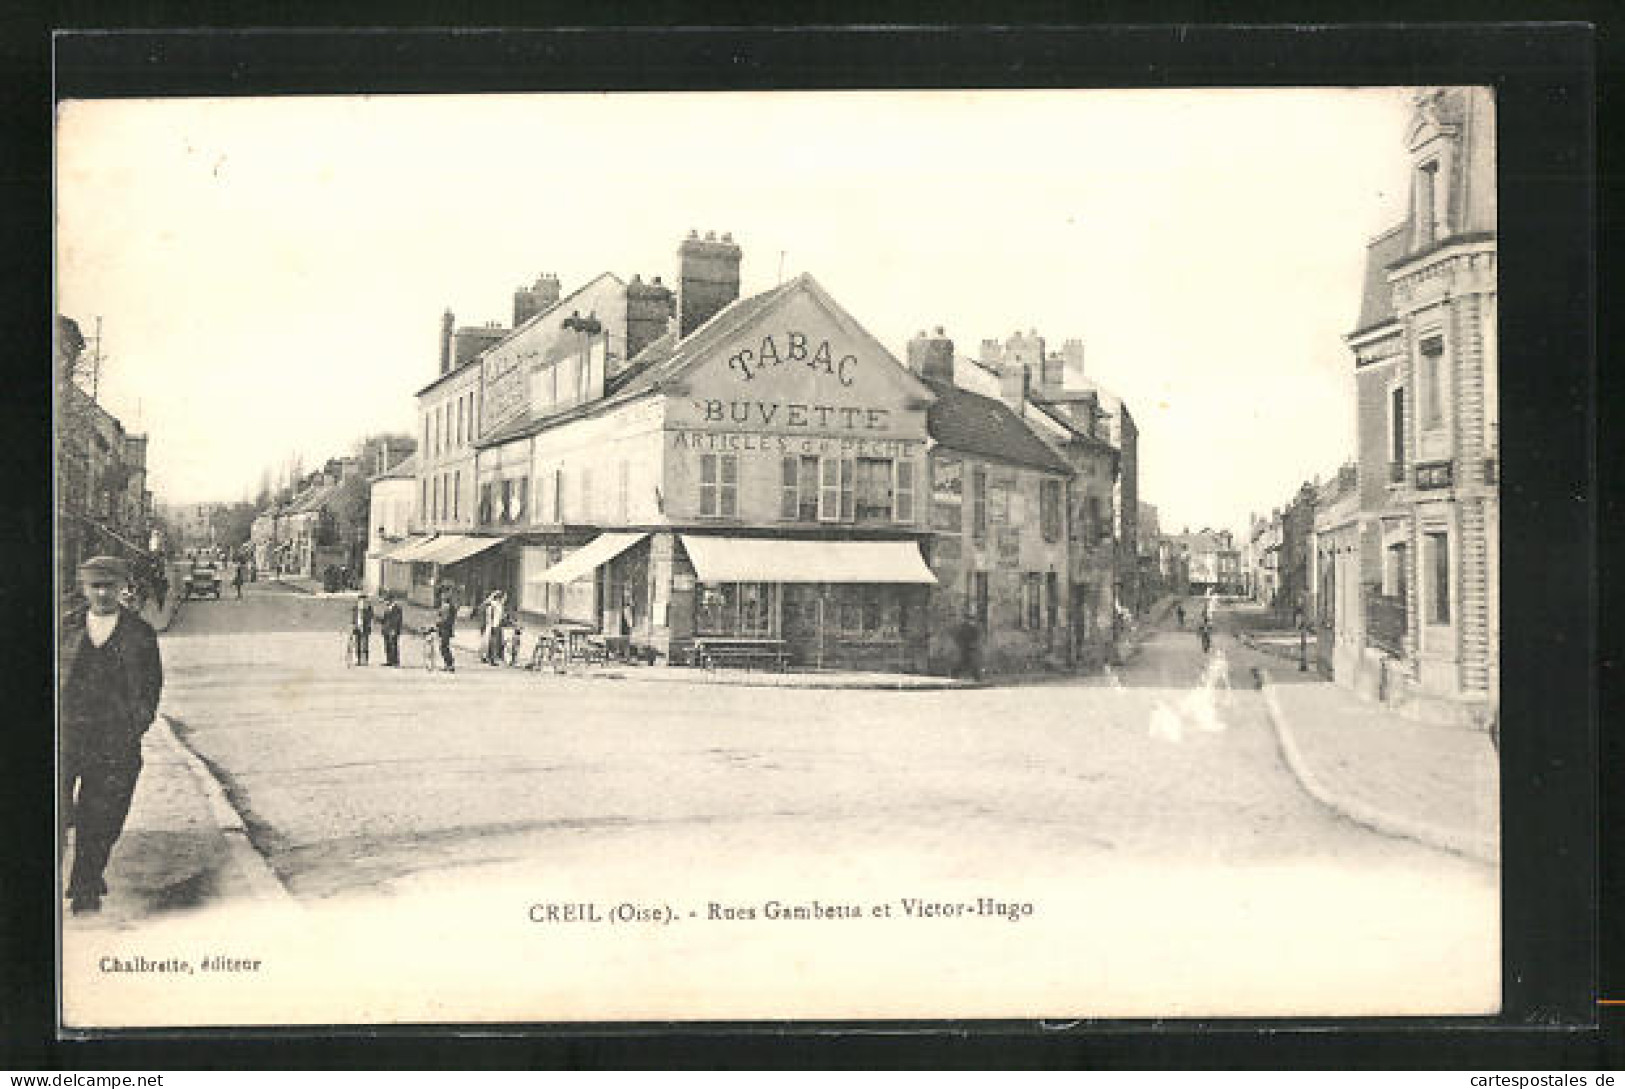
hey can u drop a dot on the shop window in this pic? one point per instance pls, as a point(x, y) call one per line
point(1049, 509)
point(719, 485)
point(903, 491)
point(1436, 556)
point(734, 608)
point(873, 490)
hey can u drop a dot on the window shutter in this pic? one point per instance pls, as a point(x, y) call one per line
point(708, 485)
point(829, 489)
point(903, 491)
point(789, 498)
point(849, 471)
point(729, 491)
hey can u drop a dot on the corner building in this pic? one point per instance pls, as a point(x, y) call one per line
point(756, 470)
point(1428, 424)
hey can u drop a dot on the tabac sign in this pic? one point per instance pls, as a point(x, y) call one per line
point(802, 368)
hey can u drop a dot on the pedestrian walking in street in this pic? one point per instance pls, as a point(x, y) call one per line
point(361, 623)
point(445, 628)
point(1179, 612)
point(111, 677)
point(389, 625)
point(1204, 632)
point(237, 579)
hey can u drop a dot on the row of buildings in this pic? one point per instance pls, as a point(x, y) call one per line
point(1395, 558)
point(676, 462)
point(103, 503)
point(321, 520)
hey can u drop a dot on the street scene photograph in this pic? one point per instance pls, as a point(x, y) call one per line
point(858, 556)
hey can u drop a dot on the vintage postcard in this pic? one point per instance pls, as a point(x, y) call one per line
point(778, 555)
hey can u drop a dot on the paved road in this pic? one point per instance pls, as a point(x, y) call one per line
point(1155, 793)
point(353, 778)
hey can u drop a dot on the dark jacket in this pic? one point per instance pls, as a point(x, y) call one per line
point(389, 619)
point(361, 616)
point(446, 619)
point(126, 707)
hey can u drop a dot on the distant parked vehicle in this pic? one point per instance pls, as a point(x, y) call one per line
point(203, 580)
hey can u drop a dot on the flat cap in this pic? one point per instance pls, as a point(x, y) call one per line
point(105, 567)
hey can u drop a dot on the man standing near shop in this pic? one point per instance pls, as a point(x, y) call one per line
point(110, 678)
point(361, 621)
point(389, 625)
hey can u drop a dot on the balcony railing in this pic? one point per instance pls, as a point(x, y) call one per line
point(1385, 623)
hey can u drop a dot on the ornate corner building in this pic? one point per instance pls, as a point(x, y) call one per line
point(1428, 425)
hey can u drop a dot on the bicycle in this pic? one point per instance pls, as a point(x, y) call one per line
point(352, 648)
point(431, 651)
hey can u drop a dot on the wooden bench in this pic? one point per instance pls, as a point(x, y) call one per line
point(712, 652)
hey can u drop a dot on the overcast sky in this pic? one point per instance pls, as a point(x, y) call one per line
point(270, 273)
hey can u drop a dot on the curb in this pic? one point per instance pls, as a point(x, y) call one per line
point(256, 873)
point(1465, 844)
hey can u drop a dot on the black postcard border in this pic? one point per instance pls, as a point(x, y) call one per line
point(1543, 74)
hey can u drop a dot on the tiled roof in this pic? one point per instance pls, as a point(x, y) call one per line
point(972, 424)
point(1077, 432)
point(1376, 298)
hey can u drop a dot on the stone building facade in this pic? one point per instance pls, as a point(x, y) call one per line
point(1428, 421)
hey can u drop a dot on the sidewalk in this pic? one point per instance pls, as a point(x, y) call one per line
point(1436, 783)
point(183, 845)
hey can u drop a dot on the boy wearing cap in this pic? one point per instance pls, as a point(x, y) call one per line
point(110, 678)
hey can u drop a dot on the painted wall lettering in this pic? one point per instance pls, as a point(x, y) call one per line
point(765, 413)
point(749, 361)
point(756, 442)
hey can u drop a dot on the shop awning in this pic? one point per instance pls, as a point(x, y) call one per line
point(410, 550)
point(589, 557)
point(454, 548)
point(752, 559)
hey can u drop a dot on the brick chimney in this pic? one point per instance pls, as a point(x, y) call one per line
point(1023, 359)
point(447, 322)
point(648, 312)
point(932, 357)
point(532, 300)
point(708, 278)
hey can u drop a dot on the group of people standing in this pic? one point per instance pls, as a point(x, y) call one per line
point(389, 618)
